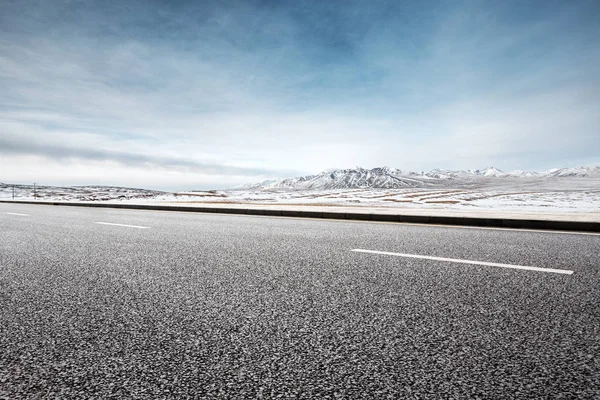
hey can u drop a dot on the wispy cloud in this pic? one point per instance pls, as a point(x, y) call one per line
point(63, 152)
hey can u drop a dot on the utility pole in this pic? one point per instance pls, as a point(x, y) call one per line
point(13, 192)
point(34, 195)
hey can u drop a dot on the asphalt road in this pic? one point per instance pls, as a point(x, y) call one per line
point(179, 305)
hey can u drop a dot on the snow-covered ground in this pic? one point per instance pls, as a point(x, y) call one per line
point(526, 196)
point(558, 190)
point(474, 198)
point(75, 193)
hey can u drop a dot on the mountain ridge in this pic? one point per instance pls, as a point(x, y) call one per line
point(391, 178)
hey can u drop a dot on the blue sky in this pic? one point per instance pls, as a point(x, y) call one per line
point(200, 94)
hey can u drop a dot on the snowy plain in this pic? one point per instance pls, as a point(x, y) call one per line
point(559, 190)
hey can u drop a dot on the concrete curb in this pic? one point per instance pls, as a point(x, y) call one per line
point(583, 226)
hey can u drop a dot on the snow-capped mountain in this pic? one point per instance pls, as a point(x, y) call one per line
point(392, 178)
point(573, 172)
point(350, 178)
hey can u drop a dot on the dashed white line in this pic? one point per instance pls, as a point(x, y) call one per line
point(127, 226)
point(19, 214)
point(456, 260)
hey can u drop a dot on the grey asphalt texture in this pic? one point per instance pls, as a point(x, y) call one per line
point(223, 306)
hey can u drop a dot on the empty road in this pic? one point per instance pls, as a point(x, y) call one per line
point(107, 303)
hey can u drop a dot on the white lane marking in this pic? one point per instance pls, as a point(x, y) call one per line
point(456, 260)
point(127, 226)
point(19, 214)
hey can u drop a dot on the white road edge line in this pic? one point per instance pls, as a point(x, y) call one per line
point(456, 260)
point(19, 214)
point(127, 226)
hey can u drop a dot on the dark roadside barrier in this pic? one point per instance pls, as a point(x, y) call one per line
point(515, 223)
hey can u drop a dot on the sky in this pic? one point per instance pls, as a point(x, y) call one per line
point(182, 95)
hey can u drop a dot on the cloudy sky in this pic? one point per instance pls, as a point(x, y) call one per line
point(202, 94)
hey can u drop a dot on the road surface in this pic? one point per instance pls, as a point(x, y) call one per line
point(106, 303)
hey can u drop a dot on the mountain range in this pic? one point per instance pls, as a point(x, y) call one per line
point(391, 178)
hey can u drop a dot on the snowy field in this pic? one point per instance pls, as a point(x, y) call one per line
point(578, 195)
point(74, 193)
point(502, 199)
